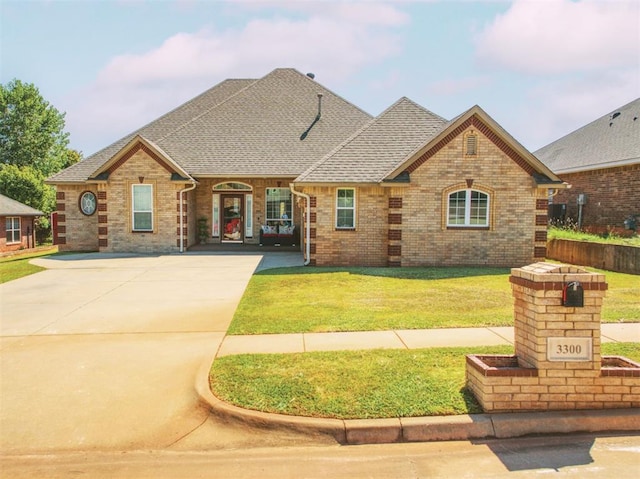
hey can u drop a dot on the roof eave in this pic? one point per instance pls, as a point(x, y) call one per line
point(99, 174)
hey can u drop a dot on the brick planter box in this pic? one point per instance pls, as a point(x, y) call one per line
point(557, 363)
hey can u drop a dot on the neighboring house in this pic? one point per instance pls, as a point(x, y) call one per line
point(17, 221)
point(601, 161)
point(282, 157)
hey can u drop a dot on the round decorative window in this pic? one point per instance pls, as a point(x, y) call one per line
point(88, 203)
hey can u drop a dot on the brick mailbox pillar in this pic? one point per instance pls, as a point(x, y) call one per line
point(550, 335)
point(557, 362)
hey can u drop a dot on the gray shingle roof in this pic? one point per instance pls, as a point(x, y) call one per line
point(379, 147)
point(244, 128)
point(612, 140)
point(10, 207)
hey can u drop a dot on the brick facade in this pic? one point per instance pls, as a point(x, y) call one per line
point(405, 225)
point(110, 228)
point(612, 195)
point(76, 231)
point(27, 234)
point(401, 224)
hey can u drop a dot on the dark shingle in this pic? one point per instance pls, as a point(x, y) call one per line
point(384, 143)
point(245, 127)
point(612, 140)
point(11, 207)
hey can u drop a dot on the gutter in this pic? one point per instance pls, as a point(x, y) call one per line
point(307, 232)
point(181, 192)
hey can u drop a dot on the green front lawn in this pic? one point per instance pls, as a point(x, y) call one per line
point(314, 299)
point(17, 266)
point(359, 384)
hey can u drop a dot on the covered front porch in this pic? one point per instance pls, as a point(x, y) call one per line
point(247, 211)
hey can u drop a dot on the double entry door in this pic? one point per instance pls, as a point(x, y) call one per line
point(232, 218)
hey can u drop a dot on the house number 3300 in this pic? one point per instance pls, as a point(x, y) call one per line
point(569, 349)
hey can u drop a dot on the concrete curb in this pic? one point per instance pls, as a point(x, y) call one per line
point(430, 428)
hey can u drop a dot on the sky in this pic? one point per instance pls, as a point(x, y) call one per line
point(540, 68)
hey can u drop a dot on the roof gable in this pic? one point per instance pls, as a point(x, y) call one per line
point(370, 153)
point(136, 144)
point(611, 140)
point(480, 120)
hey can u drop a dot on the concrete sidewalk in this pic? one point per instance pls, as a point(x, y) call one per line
point(396, 339)
point(415, 429)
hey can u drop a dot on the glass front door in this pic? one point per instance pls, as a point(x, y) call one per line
point(232, 218)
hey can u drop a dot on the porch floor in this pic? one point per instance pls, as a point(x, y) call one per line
point(240, 248)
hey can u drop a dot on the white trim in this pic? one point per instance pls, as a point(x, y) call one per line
point(134, 211)
point(267, 218)
point(352, 208)
point(248, 215)
point(13, 230)
point(467, 209)
point(215, 220)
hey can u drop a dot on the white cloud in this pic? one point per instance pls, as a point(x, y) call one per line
point(555, 108)
point(557, 36)
point(133, 89)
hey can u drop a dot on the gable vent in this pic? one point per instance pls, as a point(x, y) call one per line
point(471, 144)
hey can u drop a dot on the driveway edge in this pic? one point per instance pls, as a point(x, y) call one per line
point(429, 428)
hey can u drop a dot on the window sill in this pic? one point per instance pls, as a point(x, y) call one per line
point(141, 231)
point(345, 229)
point(467, 228)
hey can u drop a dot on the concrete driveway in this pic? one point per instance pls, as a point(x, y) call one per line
point(100, 352)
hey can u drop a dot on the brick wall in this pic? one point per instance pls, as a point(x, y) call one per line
point(27, 234)
point(76, 231)
point(612, 195)
point(366, 245)
point(140, 168)
point(405, 225)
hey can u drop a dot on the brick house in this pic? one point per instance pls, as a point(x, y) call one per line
point(17, 221)
point(601, 161)
point(284, 160)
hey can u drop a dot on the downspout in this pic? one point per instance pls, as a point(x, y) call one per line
point(182, 215)
point(307, 232)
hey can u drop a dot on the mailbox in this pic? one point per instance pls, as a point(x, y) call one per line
point(573, 295)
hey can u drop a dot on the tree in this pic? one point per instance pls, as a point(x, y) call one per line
point(26, 185)
point(31, 130)
point(33, 146)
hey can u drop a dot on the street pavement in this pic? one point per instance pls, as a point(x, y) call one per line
point(578, 456)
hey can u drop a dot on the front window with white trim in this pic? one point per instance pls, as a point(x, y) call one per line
point(142, 207)
point(279, 206)
point(468, 208)
point(13, 229)
point(345, 208)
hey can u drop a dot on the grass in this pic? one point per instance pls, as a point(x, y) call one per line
point(17, 266)
point(359, 384)
point(569, 234)
point(294, 300)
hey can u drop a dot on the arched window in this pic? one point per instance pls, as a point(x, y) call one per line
point(468, 208)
